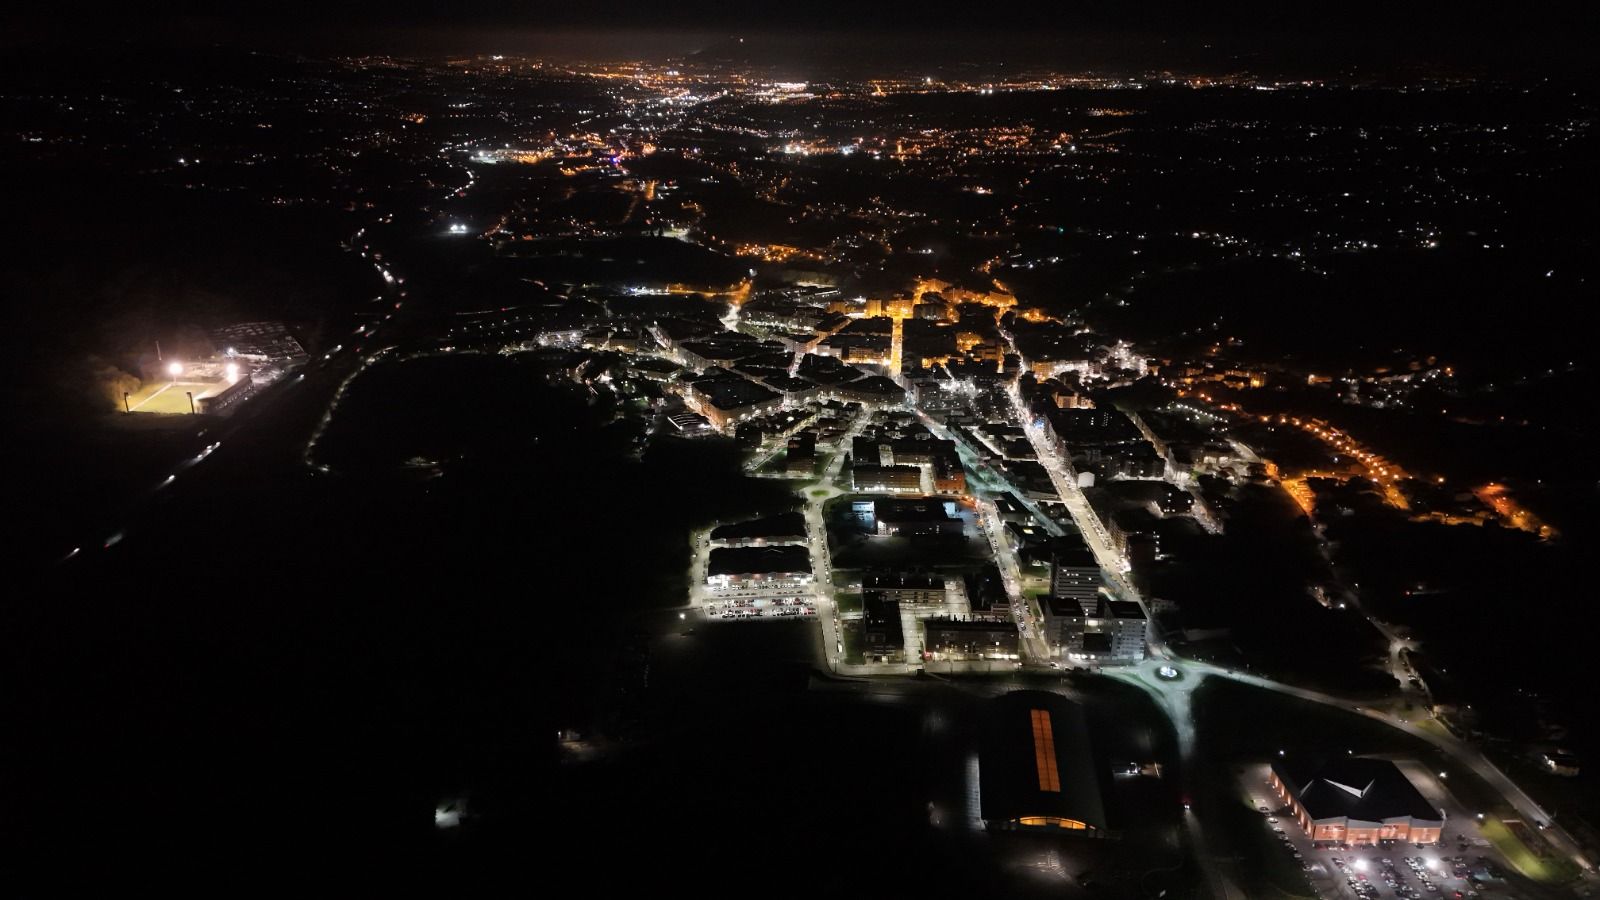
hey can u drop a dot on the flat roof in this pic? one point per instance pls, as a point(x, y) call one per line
point(1123, 609)
point(890, 582)
point(1064, 607)
point(1076, 556)
point(921, 510)
point(884, 470)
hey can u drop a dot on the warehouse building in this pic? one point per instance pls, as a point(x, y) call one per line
point(1036, 770)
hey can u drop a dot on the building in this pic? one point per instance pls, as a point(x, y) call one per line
point(227, 399)
point(800, 458)
point(690, 423)
point(909, 589)
point(726, 399)
point(882, 637)
point(951, 638)
point(929, 515)
point(260, 341)
point(1074, 573)
point(949, 477)
point(784, 528)
point(1011, 508)
point(1102, 631)
point(986, 593)
point(886, 478)
point(782, 566)
point(1355, 800)
point(1036, 768)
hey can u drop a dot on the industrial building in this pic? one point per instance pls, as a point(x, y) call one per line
point(781, 566)
point(783, 528)
point(929, 515)
point(1036, 769)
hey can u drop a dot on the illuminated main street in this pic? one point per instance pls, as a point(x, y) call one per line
point(822, 564)
point(1174, 694)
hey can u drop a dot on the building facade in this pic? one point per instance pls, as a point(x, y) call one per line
point(1356, 801)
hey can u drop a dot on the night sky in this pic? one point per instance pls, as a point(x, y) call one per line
point(1367, 33)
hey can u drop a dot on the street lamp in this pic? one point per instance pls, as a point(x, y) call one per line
point(175, 369)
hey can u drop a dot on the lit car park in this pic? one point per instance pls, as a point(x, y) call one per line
point(729, 609)
point(1453, 868)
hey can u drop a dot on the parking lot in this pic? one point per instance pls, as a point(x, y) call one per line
point(1464, 864)
point(760, 607)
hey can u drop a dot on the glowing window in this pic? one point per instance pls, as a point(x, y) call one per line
point(1053, 821)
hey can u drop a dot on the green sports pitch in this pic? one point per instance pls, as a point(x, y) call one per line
point(169, 396)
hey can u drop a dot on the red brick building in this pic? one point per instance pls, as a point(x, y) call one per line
point(1358, 801)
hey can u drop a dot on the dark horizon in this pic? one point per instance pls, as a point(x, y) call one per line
point(1551, 37)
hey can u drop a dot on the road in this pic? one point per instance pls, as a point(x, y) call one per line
point(821, 562)
point(1112, 564)
point(1174, 697)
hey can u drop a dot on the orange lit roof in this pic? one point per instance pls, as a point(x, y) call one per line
point(1044, 752)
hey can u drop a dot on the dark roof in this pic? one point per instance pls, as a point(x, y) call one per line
point(759, 560)
point(926, 510)
point(877, 384)
point(1097, 642)
point(1063, 607)
point(911, 582)
point(1122, 609)
point(1368, 790)
point(1024, 771)
point(985, 589)
point(787, 384)
point(876, 471)
point(880, 619)
point(732, 392)
point(1073, 555)
point(789, 524)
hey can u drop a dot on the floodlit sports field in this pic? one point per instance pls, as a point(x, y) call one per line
point(169, 396)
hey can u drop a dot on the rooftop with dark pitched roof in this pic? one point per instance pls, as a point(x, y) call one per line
point(1368, 790)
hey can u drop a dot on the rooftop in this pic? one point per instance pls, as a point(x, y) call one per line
point(789, 524)
point(1368, 790)
point(1035, 765)
point(759, 560)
